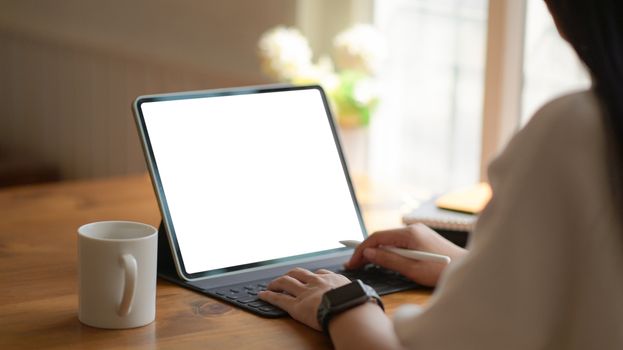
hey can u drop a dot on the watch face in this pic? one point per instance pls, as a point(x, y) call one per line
point(346, 293)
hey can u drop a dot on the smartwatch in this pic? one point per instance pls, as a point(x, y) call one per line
point(344, 298)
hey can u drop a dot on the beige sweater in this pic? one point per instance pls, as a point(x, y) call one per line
point(545, 268)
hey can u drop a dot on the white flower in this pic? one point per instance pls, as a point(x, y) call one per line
point(360, 48)
point(323, 73)
point(285, 53)
point(365, 92)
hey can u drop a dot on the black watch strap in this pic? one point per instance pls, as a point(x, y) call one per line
point(344, 298)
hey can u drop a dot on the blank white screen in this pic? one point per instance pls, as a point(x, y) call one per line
point(250, 178)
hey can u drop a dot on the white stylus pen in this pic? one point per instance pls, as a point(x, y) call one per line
point(407, 253)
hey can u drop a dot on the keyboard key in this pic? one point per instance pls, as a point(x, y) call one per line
point(267, 308)
point(257, 304)
point(247, 300)
point(394, 282)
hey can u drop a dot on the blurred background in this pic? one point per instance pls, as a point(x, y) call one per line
point(456, 78)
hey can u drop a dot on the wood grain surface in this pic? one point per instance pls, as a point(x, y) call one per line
point(38, 276)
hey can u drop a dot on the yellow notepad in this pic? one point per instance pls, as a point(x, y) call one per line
point(468, 200)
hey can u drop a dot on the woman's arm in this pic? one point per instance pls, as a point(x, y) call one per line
point(363, 327)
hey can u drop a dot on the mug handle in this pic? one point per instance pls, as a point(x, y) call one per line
point(129, 287)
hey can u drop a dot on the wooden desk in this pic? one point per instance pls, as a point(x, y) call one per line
point(38, 278)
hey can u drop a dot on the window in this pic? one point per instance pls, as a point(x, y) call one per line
point(427, 129)
point(551, 67)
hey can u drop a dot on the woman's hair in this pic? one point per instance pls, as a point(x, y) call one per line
point(595, 30)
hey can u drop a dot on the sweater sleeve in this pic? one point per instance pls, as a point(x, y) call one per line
point(509, 291)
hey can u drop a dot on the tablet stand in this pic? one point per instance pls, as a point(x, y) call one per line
point(166, 265)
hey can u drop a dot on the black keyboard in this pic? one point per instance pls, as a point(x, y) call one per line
point(245, 295)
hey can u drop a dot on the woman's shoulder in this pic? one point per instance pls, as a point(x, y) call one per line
point(562, 146)
point(571, 118)
point(568, 125)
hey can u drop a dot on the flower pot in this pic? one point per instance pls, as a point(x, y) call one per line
point(355, 146)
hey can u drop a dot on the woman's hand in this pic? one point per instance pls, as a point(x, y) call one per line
point(300, 291)
point(418, 237)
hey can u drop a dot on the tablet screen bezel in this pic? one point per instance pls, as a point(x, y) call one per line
point(160, 191)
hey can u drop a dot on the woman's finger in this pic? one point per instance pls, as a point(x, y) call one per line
point(390, 260)
point(282, 301)
point(423, 272)
point(395, 237)
point(287, 284)
point(303, 275)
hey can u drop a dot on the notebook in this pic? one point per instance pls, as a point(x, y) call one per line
point(453, 211)
point(250, 182)
point(429, 214)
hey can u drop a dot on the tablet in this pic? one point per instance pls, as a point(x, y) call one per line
point(248, 178)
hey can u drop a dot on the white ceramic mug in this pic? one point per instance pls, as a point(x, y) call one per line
point(117, 274)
